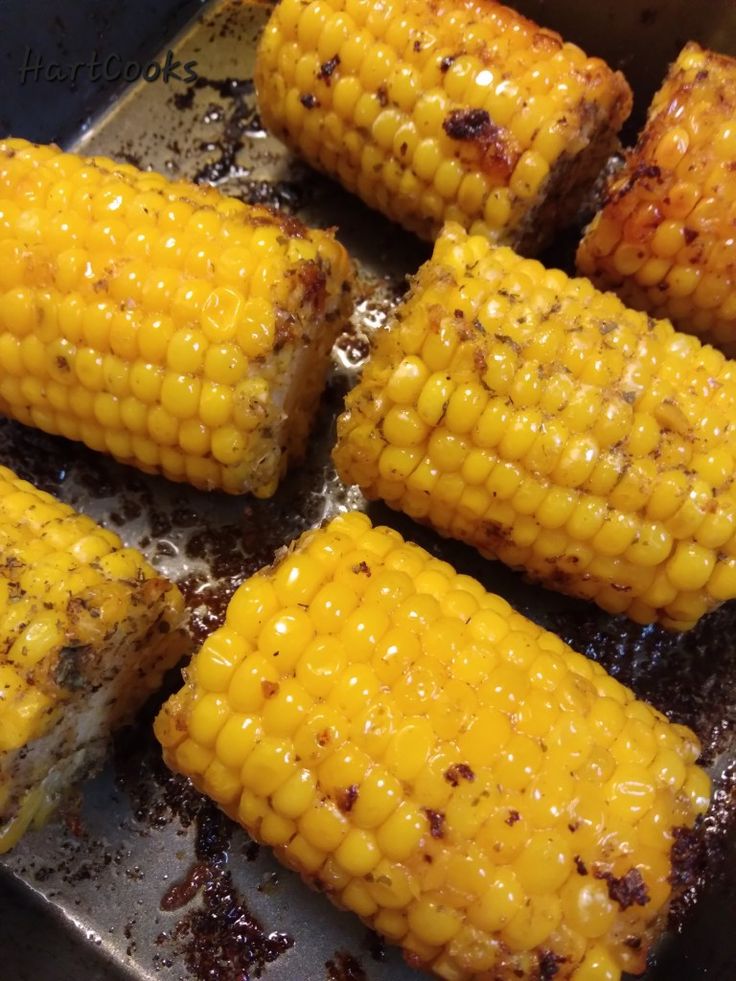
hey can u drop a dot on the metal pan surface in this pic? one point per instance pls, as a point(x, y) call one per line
point(144, 879)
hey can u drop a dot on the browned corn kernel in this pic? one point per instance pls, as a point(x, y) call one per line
point(460, 110)
point(664, 240)
point(180, 332)
point(86, 633)
point(548, 425)
point(470, 786)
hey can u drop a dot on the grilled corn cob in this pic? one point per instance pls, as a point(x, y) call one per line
point(544, 423)
point(180, 332)
point(461, 110)
point(664, 239)
point(86, 631)
point(461, 779)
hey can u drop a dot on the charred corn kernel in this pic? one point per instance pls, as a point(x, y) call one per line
point(459, 778)
point(431, 117)
point(614, 481)
point(208, 372)
point(663, 240)
point(87, 627)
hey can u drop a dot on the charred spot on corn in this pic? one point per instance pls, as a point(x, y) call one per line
point(626, 890)
point(549, 965)
point(470, 124)
point(346, 799)
point(327, 69)
point(474, 127)
point(436, 820)
point(458, 772)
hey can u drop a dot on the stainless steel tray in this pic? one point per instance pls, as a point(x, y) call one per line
point(144, 879)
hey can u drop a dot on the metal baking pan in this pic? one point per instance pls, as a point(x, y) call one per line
point(142, 878)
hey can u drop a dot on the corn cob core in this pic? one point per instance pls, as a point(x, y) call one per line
point(664, 239)
point(549, 426)
point(466, 783)
point(458, 110)
point(179, 331)
point(86, 626)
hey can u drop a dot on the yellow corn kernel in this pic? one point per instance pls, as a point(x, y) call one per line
point(662, 239)
point(452, 129)
point(608, 477)
point(439, 765)
point(177, 353)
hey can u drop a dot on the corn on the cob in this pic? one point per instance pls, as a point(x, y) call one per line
point(180, 332)
point(459, 110)
point(544, 423)
point(470, 786)
point(664, 239)
point(87, 630)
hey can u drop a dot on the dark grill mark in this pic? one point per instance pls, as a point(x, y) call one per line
point(580, 865)
point(346, 800)
point(327, 69)
point(436, 822)
point(457, 772)
point(549, 965)
point(628, 890)
point(469, 124)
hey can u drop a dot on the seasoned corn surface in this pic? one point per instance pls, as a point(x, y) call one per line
point(455, 110)
point(471, 787)
point(665, 237)
point(85, 636)
point(179, 331)
point(541, 421)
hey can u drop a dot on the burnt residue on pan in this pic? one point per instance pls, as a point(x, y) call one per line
point(219, 939)
point(231, 120)
point(238, 120)
point(214, 933)
point(342, 966)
